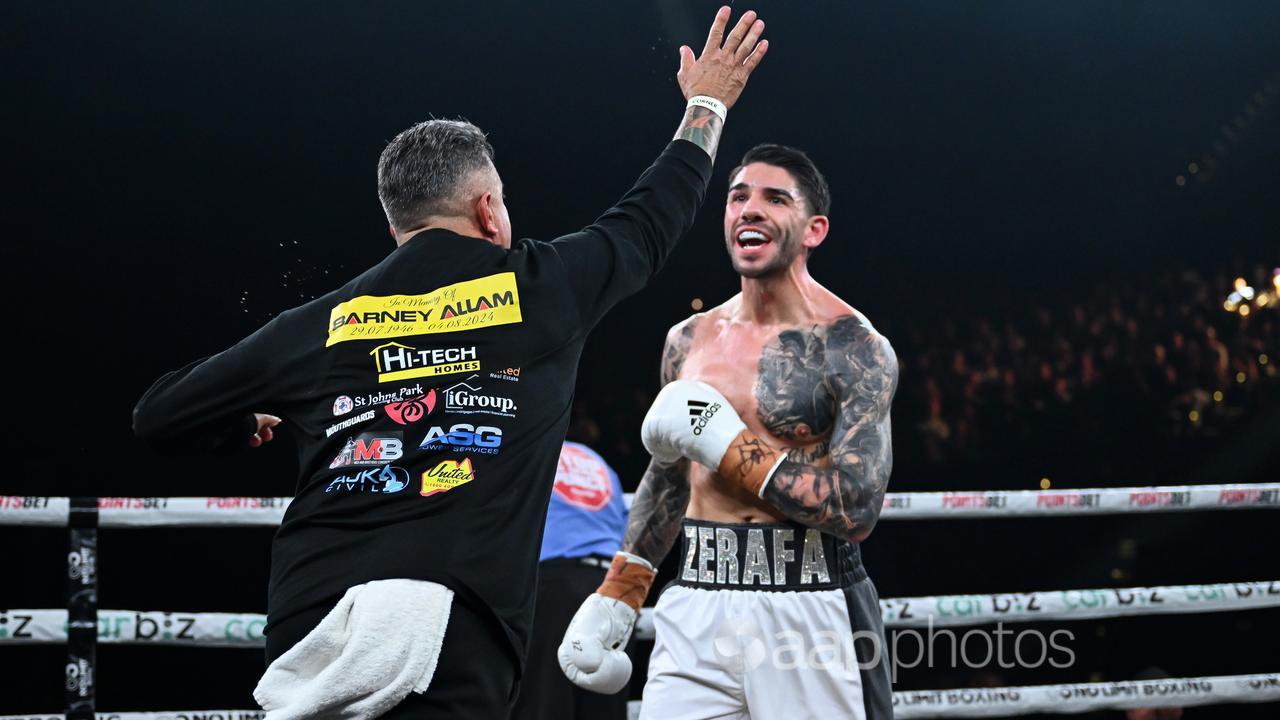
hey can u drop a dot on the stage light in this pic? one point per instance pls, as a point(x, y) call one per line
point(1045, 484)
point(1240, 377)
point(1217, 396)
point(1194, 416)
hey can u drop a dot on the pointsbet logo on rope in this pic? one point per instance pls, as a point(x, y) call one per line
point(446, 476)
point(486, 301)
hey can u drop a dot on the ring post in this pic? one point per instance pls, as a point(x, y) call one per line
point(82, 608)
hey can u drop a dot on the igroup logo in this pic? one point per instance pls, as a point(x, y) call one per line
point(466, 398)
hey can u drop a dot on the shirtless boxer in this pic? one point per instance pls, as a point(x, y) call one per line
point(770, 501)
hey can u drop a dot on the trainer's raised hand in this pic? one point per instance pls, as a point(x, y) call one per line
point(721, 71)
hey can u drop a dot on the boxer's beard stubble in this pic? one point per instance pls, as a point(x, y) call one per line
point(788, 247)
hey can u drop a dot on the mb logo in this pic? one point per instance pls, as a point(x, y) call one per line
point(700, 413)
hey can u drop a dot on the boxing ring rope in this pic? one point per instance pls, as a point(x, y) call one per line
point(977, 702)
point(23, 627)
point(116, 512)
point(82, 625)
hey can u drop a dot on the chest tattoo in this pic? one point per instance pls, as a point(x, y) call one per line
point(793, 396)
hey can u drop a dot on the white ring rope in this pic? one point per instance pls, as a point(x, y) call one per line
point(245, 629)
point(976, 702)
point(19, 627)
point(121, 512)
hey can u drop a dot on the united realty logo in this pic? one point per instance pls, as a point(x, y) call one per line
point(370, 449)
point(466, 398)
point(482, 439)
point(446, 476)
point(388, 479)
point(700, 413)
point(402, 362)
point(483, 302)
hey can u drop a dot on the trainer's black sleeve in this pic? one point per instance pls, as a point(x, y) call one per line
point(626, 246)
point(209, 404)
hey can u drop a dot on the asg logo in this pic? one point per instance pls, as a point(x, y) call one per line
point(700, 413)
point(369, 449)
point(483, 439)
point(388, 479)
point(413, 409)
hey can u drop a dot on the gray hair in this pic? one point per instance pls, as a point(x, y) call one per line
point(423, 172)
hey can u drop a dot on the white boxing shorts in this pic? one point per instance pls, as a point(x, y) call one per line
point(764, 622)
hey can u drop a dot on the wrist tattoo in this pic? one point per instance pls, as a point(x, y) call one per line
point(702, 127)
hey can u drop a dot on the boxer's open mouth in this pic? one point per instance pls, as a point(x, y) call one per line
point(752, 238)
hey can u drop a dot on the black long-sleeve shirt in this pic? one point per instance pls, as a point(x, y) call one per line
point(430, 396)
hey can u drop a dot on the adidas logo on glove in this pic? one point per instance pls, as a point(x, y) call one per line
point(700, 413)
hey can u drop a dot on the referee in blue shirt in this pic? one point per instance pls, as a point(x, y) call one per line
point(585, 523)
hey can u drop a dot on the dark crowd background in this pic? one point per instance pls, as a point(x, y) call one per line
point(1043, 205)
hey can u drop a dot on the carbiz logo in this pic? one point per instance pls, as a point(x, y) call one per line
point(482, 439)
point(389, 479)
point(467, 399)
point(369, 449)
point(700, 413)
point(447, 476)
point(483, 302)
point(401, 362)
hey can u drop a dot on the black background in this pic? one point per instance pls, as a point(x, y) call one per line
point(179, 172)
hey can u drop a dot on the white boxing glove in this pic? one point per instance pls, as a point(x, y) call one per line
point(690, 419)
point(593, 653)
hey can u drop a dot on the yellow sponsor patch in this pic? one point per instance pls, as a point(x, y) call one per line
point(447, 476)
point(402, 362)
point(483, 302)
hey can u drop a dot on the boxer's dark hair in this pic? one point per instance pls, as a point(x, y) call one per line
point(810, 180)
point(423, 171)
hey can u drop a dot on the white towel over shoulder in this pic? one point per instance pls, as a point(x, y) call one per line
point(380, 643)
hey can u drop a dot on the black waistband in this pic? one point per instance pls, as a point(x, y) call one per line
point(775, 557)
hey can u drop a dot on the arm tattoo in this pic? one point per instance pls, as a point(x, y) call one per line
point(861, 371)
point(654, 521)
point(701, 127)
